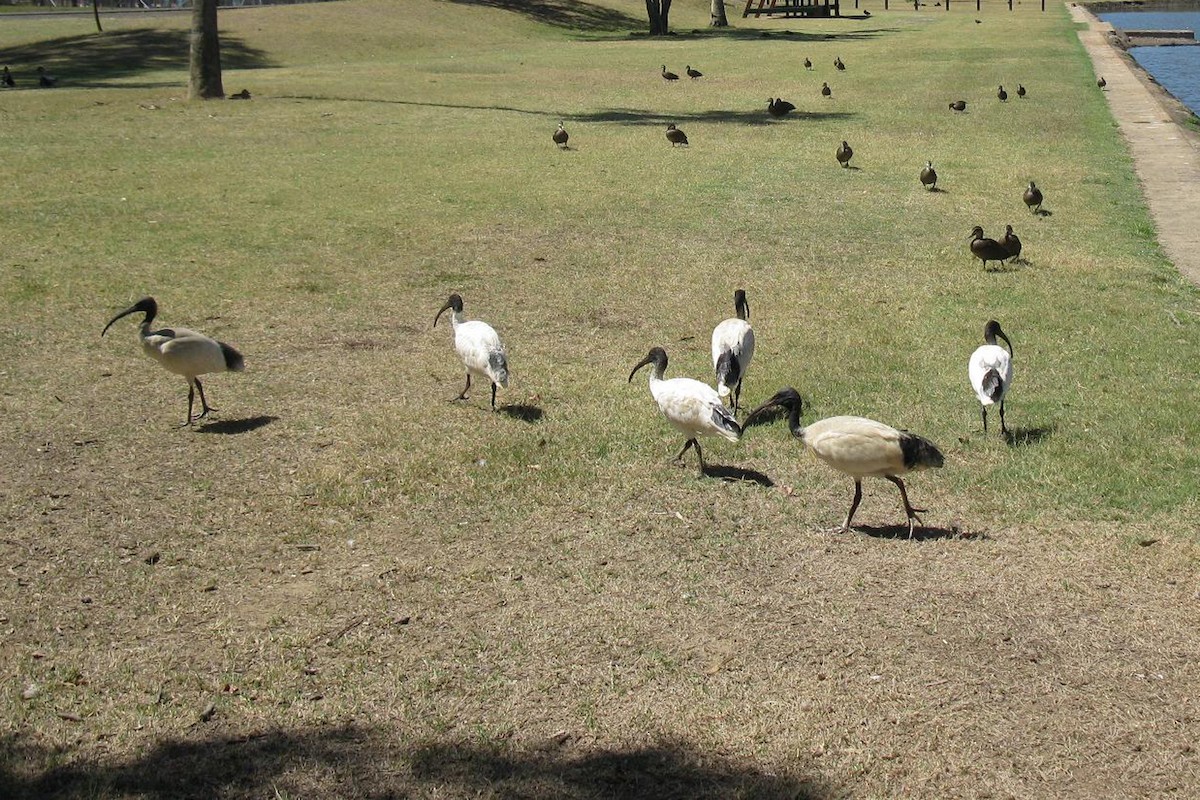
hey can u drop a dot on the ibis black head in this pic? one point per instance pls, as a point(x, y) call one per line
point(991, 331)
point(146, 305)
point(455, 303)
point(740, 306)
point(786, 398)
point(658, 357)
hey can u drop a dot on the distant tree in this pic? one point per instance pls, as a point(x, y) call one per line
point(716, 15)
point(204, 60)
point(658, 11)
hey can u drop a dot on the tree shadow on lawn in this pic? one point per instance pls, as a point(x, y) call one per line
point(573, 14)
point(375, 763)
point(734, 33)
point(93, 61)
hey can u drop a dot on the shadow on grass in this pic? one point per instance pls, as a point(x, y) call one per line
point(733, 33)
point(574, 14)
point(920, 533)
point(1043, 212)
point(93, 60)
point(525, 413)
point(1022, 437)
point(737, 474)
point(352, 761)
point(625, 116)
point(234, 426)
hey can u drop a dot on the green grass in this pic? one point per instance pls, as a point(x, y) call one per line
point(560, 574)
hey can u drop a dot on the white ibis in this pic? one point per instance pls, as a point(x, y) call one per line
point(676, 136)
point(479, 347)
point(561, 136)
point(183, 352)
point(990, 370)
point(1033, 197)
point(670, 76)
point(860, 448)
point(694, 408)
point(733, 348)
point(929, 176)
point(844, 153)
point(987, 249)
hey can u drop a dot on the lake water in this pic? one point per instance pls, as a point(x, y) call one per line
point(1176, 68)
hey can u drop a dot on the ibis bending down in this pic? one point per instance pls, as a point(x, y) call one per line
point(478, 346)
point(733, 348)
point(990, 370)
point(183, 352)
point(929, 176)
point(694, 408)
point(860, 448)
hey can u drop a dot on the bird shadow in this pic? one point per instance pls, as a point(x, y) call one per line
point(1009, 267)
point(1022, 437)
point(921, 534)
point(939, 190)
point(1043, 212)
point(523, 412)
point(234, 426)
point(737, 475)
point(853, 168)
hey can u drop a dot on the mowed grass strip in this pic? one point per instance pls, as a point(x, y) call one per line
point(552, 570)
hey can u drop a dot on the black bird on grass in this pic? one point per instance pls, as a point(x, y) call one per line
point(778, 107)
point(826, 91)
point(929, 176)
point(7, 79)
point(1101, 82)
point(561, 136)
point(45, 79)
point(987, 249)
point(1020, 91)
point(693, 73)
point(1033, 197)
point(1011, 243)
point(1002, 95)
point(844, 154)
point(837, 63)
point(958, 105)
point(671, 76)
point(676, 136)
point(808, 63)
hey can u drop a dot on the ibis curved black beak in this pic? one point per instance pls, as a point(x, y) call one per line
point(146, 305)
point(1006, 341)
point(786, 397)
point(439, 314)
point(647, 360)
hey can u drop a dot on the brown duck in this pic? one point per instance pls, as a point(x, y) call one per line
point(929, 176)
point(1033, 197)
point(986, 249)
point(844, 154)
point(676, 136)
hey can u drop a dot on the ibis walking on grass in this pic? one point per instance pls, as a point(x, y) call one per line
point(732, 349)
point(479, 347)
point(990, 370)
point(694, 408)
point(183, 352)
point(859, 448)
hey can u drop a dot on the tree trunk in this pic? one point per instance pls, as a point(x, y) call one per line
point(716, 15)
point(204, 80)
point(658, 11)
point(96, 13)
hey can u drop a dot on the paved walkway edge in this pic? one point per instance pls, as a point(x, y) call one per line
point(1166, 157)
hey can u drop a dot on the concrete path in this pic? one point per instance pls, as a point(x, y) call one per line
point(1166, 157)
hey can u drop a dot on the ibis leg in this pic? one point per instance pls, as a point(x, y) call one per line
point(737, 397)
point(466, 389)
point(203, 402)
point(493, 396)
point(853, 506)
point(699, 455)
point(686, 445)
point(909, 511)
point(983, 410)
point(1003, 429)
point(191, 400)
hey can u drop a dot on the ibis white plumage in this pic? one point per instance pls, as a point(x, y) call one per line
point(858, 447)
point(183, 352)
point(990, 370)
point(733, 348)
point(694, 408)
point(479, 347)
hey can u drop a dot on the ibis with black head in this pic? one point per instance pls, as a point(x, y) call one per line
point(478, 346)
point(183, 352)
point(991, 371)
point(693, 407)
point(859, 448)
point(732, 349)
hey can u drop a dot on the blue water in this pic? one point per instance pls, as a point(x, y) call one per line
point(1176, 68)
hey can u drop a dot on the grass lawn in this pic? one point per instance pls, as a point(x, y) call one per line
point(345, 585)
